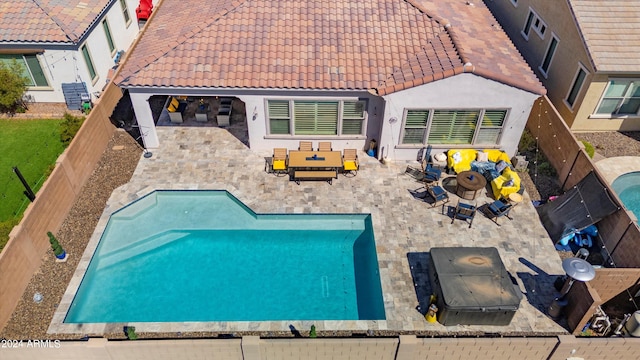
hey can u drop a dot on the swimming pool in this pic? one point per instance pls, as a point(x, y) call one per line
point(627, 186)
point(175, 256)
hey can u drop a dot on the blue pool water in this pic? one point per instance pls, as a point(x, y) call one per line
point(627, 187)
point(178, 256)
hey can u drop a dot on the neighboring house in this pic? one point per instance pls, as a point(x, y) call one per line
point(585, 53)
point(69, 43)
point(403, 72)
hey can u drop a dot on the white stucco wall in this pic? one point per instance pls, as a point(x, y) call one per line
point(260, 142)
point(67, 66)
point(464, 91)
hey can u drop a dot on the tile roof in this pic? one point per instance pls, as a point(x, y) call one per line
point(57, 21)
point(387, 45)
point(610, 31)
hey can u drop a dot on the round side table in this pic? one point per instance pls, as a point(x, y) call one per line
point(515, 199)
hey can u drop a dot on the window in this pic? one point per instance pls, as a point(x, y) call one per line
point(310, 117)
point(622, 97)
point(125, 11)
point(544, 67)
point(31, 69)
point(577, 85)
point(453, 126)
point(89, 62)
point(535, 22)
point(415, 126)
point(107, 32)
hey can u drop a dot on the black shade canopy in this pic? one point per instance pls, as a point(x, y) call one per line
point(584, 204)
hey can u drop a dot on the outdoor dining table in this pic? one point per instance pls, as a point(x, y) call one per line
point(323, 165)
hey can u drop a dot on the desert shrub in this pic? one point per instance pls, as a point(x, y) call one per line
point(13, 85)
point(588, 148)
point(69, 128)
point(527, 142)
point(545, 168)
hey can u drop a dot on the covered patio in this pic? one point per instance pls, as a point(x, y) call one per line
point(405, 229)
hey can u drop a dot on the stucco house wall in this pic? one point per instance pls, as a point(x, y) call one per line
point(464, 91)
point(461, 92)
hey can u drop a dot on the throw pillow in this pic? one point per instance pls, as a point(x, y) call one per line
point(482, 156)
point(501, 165)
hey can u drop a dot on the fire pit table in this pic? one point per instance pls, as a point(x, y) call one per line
point(469, 183)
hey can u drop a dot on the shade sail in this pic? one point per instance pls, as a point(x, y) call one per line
point(585, 204)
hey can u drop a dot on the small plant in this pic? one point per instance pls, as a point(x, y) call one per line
point(58, 251)
point(546, 169)
point(130, 332)
point(588, 148)
point(312, 332)
point(527, 142)
point(69, 127)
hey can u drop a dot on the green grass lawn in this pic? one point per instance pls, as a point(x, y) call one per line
point(33, 146)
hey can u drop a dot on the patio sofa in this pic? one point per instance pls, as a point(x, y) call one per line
point(493, 164)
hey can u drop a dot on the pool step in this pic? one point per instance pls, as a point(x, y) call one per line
point(140, 247)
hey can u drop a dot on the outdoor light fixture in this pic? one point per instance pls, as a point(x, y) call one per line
point(255, 113)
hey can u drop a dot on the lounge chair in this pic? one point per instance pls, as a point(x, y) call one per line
point(439, 196)
point(350, 162)
point(464, 212)
point(278, 162)
point(498, 209)
point(305, 146)
point(324, 146)
point(431, 174)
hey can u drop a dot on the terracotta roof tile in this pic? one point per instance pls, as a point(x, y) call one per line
point(388, 45)
point(477, 36)
point(62, 21)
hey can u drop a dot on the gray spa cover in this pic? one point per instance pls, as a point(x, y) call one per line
point(474, 278)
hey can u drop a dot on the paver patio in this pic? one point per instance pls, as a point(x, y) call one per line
point(405, 228)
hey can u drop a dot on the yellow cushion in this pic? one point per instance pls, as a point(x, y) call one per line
point(461, 162)
point(497, 184)
point(279, 165)
point(350, 166)
point(497, 155)
point(173, 105)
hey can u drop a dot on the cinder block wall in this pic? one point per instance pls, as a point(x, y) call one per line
point(28, 241)
point(610, 282)
point(407, 347)
point(486, 348)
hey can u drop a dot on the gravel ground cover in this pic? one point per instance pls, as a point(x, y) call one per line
point(31, 320)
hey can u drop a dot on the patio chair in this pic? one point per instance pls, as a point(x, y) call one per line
point(426, 159)
point(305, 146)
point(431, 174)
point(350, 162)
point(278, 162)
point(324, 146)
point(498, 209)
point(464, 212)
point(439, 196)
